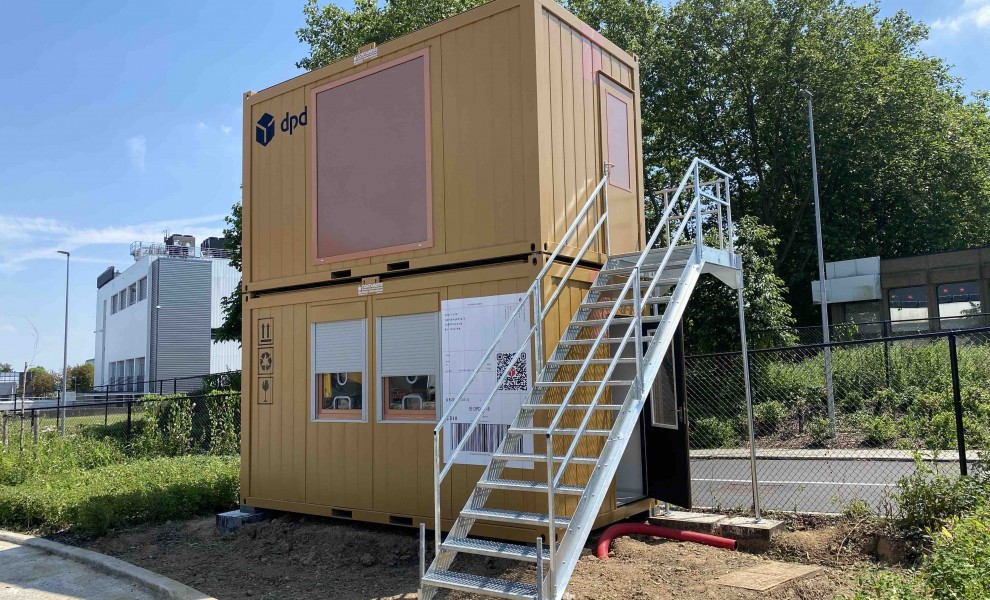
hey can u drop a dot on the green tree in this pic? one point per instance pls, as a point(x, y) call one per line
point(903, 155)
point(230, 329)
point(43, 382)
point(81, 378)
point(712, 317)
point(6, 368)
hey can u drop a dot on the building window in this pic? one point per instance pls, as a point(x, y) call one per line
point(908, 309)
point(408, 366)
point(959, 304)
point(132, 294)
point(339, 370)
point(139, 373)
point(129, 375)
point(142, 288)
point(122, 301)
point(113, 304)
point(112, 368)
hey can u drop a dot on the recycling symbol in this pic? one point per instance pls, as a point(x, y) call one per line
point(265, 361)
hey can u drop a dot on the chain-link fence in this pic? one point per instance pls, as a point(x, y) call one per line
point(840, 332)
point(894, 398)
point(207, 422)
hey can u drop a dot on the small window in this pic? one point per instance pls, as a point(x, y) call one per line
point(908, 309)
point(408, 364)
point(113, 304)
point(132, 294)
point(959, 305)
point(139, 373)
point(339, 370)
point(122, 302)
point(143, 289)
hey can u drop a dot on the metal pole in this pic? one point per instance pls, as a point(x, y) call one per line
point(749, 396)
point(551, 518)
point(957, 405)
point(698, 242)
point(638, 316)
point(538, 337)
point(821, 267)
point(539, 568)
point(608, 221)
point(436, 493)
point(65, 348)
point(886, 354)
point(422, 556)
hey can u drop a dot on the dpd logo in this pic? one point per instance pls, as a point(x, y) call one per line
point(264, 130)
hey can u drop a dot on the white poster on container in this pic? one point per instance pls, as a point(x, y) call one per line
point(469, 326)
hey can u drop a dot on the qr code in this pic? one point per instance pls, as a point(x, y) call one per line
point(518, 377)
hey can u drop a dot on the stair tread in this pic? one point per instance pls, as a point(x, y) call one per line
point(611, 303)
point(530, 456)
point(534, 486)
point(560, 431)
point(610, 340)
point(494, 548)
point(554, 406)
point(466, 582)
point(617, 320)
point(594, 361)
point(513, 516)
point(584, 383)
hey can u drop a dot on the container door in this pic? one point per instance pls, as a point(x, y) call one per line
point(665, 420)
point(616, 109)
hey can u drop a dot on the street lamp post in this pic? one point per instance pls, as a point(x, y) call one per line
point(821, 267)
point(65, 347)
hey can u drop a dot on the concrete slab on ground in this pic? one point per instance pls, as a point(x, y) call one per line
point(748, 528)
point(31, 573)
point(34, 568)
point(767, 576)
point(686, 521)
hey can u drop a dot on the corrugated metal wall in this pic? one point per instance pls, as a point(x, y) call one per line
point(181, 327)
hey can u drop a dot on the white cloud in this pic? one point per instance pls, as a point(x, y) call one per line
point(226, 130)
point(201, 125)
point(27, 239)
point(137, 149)
point(972, 13)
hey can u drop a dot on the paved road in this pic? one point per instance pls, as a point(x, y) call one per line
point(804, 483)
point(28, 573)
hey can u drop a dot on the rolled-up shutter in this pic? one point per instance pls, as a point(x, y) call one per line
point(339, 347)
point(409, 345)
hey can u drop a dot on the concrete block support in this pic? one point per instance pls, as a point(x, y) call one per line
point(231, 521)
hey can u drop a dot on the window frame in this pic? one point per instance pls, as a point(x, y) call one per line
point(113, 304)
point(132, 294)
point(340, 416)
point(143, 289)
point(419, 416)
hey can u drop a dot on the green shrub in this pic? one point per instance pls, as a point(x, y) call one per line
point(223, 414)
point(168, 427)
point(876, 584)
point(820, 430)
point(880, 430)
point(959, 565)
point(95, 500)
point(712, 432)
point(926, 498)
point(55, 454)
point(767, 417)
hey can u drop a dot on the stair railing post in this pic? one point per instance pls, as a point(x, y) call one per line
point(538, 337)
point(436, 493)
point(422, 556)
point(749, 396)
point(608, 231)
point(551, 518)
point(638, 317)
point(539, 568)
point(697, 208)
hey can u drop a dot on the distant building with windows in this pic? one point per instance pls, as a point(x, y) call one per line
point(929, 292)
point(155, 319)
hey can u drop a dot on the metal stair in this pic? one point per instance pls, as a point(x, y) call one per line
point(587, 397)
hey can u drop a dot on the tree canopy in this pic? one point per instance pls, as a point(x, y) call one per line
point(904, 155)
point(230, 329)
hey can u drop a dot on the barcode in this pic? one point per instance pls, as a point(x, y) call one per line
point(485, 438)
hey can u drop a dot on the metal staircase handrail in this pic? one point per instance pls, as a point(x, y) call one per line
point(534, 293)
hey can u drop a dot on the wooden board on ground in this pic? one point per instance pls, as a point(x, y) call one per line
point(766, 576)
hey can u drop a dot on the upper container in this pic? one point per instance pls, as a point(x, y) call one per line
point(473, 140)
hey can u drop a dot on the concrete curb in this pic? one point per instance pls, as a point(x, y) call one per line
point(159, 585)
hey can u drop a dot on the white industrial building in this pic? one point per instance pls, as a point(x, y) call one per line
point(154, 320)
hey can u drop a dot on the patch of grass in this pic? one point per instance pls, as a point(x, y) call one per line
point(54, 455)
point(92, 500)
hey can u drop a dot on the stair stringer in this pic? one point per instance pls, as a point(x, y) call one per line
point(589, 505)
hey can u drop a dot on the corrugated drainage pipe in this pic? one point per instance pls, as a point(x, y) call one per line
point(665, 532)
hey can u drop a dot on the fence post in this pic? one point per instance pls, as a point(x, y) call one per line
point(886, 353)
point(957, 405)
point(129, 420)
point(175, 386)
point(106, 414)
point(34, 429)
point(3, 429)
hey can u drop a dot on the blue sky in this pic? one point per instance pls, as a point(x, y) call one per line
point(123, 119)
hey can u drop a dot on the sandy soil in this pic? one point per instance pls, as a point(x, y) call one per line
point(311, 558)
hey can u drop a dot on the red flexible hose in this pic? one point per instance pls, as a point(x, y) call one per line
point(621, 529)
